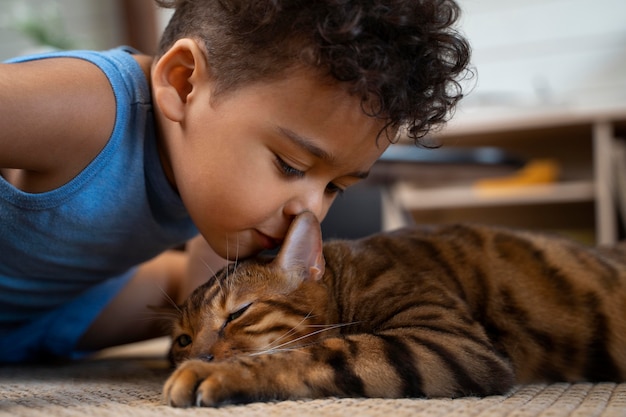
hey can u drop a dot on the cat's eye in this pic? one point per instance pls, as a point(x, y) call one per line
point(234, 316)
point(183, 340)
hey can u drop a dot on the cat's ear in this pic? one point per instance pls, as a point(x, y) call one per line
point(302, 249)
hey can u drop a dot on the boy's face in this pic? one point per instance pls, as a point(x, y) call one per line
point(250, 161)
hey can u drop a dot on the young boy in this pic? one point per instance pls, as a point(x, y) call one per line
point(252, 112)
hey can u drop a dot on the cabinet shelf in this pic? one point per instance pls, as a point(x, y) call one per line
point(582, 142)
point(411, 197)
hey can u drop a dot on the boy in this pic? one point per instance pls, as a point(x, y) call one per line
point(252, 112)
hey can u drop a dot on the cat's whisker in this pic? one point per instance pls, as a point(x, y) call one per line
point(289, 332)
point(227, 255)
point(219, 282)
point(205, 263)
point(269, 346)
point(325, 329)
point(227, 280)
point(212, 271)
point(236, 254)
point(227, 248)
point(170, 300)
point(297, 349)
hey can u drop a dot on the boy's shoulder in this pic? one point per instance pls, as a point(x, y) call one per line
point(76, 109)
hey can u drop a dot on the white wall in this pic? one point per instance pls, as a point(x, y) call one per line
point(90, 24)
point(530, 53)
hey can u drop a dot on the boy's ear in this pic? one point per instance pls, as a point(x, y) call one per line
point(175, 75)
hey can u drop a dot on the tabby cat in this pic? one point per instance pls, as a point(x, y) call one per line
point(444, 311)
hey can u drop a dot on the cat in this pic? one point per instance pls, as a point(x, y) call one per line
point(446, 311)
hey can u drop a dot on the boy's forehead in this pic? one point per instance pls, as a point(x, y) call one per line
point(324, 100)
point(315, 85)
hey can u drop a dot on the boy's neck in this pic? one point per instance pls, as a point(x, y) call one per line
point(146, 62)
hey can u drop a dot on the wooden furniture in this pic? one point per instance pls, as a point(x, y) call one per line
point(584, 144)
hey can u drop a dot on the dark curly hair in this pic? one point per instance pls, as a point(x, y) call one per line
point(403, 58)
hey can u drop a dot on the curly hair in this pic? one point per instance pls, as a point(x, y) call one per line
point(403, 58)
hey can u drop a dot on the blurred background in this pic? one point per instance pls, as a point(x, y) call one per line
point(536, 143)
point(32, 25)
point(529, 52)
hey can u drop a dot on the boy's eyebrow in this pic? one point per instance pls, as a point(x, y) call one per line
point(310, 147)
point(307, 144)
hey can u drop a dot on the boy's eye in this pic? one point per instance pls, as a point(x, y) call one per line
point(290, 171)
point(287, 169)
point(334, 189)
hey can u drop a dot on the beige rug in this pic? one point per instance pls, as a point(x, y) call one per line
point(127, 382)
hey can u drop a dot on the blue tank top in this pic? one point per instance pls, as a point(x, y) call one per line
point(118, 212)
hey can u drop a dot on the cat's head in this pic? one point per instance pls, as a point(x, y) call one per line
point(258, 305)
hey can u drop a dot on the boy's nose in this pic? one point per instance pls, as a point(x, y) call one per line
point(309, 200)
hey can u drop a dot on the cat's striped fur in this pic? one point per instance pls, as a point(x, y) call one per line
point(448, 311)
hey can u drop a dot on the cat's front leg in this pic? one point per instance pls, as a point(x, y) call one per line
point(180, 390)
point(199, 383)
point(238, 380)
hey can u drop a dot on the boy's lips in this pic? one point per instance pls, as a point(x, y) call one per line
point(268, 242)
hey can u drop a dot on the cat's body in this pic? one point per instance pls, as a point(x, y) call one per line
point(451, 311)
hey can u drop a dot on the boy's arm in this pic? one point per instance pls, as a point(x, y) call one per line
point(57, 114)
point(166, 280)
point(203, 263)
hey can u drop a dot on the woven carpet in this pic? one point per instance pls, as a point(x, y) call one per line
point(127, 381)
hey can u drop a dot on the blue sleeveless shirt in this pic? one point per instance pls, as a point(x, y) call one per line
point(118, 212)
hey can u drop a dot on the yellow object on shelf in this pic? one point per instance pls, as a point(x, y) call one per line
point(536, 171)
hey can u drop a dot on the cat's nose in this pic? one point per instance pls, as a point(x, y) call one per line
point(206, 358)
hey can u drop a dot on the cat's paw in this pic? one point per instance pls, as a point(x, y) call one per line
point(199, 383)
